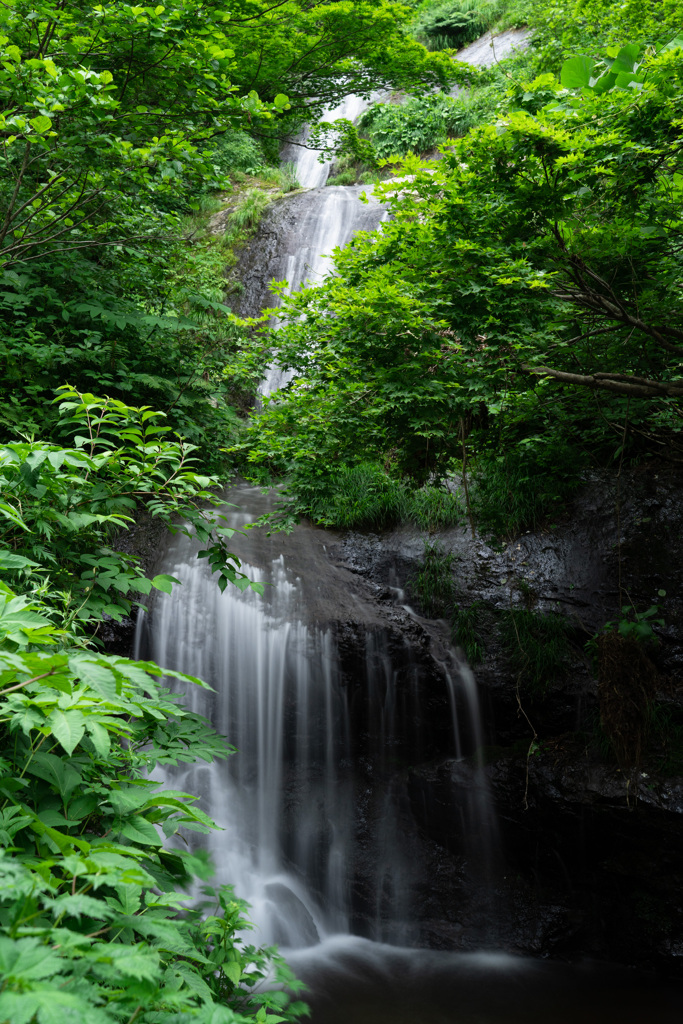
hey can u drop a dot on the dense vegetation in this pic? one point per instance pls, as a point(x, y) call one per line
point(119, 125)
point(519, 317)
point(517, 320)
point(95, 923)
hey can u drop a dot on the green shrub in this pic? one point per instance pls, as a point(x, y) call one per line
point(538, 647)
point(454, 23)
point(237, 151)
point(343, 178)
point(436, 592)
point(365, 497)
point(424, 122)
point(63, 507)
point(521, 488)
point(94, 922)
point(94, 925)
point(434, 508)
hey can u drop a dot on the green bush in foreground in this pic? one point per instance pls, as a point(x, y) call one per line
point(95, 922)
point(94, 925)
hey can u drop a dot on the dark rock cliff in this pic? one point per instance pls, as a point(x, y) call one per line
point(585, 854)
point(589, 853)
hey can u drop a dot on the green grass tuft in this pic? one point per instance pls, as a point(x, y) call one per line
point(520, 489)
point(538, 647)
point(283, 177)
point(249, 210)
point(364, 497)
point(433, 583)
point(466, 632)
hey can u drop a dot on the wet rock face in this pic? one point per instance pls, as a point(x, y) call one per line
point(586, 857)
point(291, 237)
point(590, 854)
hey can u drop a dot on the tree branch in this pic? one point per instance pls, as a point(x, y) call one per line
point(621, 383)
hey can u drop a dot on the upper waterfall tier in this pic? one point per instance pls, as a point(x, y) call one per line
point(311, 172)
point(295, 241)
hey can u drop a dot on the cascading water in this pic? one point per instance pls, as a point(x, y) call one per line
point(278, 701)
point(328, 219)
point(288, 802)
point(312, 172)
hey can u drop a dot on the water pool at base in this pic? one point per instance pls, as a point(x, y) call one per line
point(355, 981)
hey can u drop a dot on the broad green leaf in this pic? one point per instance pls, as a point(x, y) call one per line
point(96, 674)
point(78, 904)
point(129, 799)
point(100, 737)
point(27, 959)
point(164, 582)
point(626, 58)
point(576, 72)
point(68, 727)
point(128, 899)
point(41, 123)
point(233, 971)
point(56, 770)
point(139, 830)
point(137, 962)
point(50, 1006)
point(8, 560)
point(61, 842)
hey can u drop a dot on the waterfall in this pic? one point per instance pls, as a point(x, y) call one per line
point(327, 218)
point(322, 829)
point(312, 172)
point(313, 806)
point(296, 811)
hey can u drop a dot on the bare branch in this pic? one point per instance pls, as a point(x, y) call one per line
point(620, 383)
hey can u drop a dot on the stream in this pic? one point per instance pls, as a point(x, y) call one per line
point(318, 832)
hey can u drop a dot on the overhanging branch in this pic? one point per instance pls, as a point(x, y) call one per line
point(621, 383)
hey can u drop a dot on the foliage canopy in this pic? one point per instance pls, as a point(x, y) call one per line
point(542, 250)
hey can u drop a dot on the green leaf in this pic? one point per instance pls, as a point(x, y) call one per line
point(65, 777)
point(139, 830)
point(164, 582)
point(577, 72)
point(626, 58)
point(96, 674)
point(68, 727)
point(27, 959)
point(50, 1006)
point(41, 124)
point(78, 905)
point(137, 962)
point(101, 740)
point(8, 560)
point(233, 971)
point(130, 798)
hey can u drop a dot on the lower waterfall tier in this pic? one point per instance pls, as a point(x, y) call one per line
point(317, 828)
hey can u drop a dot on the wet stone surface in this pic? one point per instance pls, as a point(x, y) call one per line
point(587, 856)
